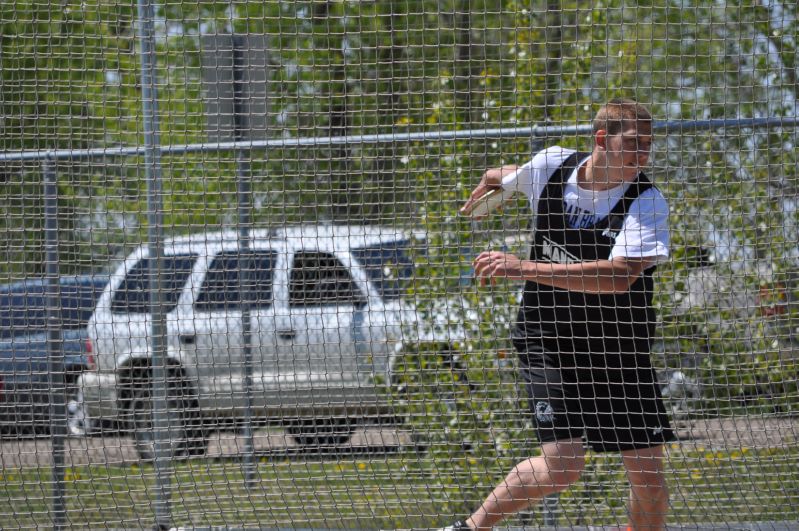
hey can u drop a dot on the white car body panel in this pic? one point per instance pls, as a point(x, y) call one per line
point(304, 358)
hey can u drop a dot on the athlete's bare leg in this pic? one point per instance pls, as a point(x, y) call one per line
point(649, 495)
point(559, 466)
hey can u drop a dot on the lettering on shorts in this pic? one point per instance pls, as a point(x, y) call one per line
point(544, 413)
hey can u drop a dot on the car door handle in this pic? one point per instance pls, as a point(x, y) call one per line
point(287, 334)
point(187, 339)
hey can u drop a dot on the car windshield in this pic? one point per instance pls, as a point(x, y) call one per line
point(389, 267)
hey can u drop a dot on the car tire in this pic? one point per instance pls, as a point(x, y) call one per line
point(188, 437)
point(321, 432)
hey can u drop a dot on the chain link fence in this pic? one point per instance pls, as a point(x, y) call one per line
point(238, 290)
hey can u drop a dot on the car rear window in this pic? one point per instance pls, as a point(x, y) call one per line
point(389, 266)
point(319, 279)
point(133, 295)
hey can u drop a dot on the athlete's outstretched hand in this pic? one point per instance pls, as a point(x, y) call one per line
point(491, 180)
point(491, 265)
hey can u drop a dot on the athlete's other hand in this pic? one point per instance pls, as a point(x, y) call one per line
point(491, 265)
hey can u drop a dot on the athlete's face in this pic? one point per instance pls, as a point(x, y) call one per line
point(628, 152)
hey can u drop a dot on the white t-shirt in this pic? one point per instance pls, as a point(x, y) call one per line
point(645, 232)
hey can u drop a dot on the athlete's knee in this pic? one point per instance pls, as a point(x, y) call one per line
point(550, 474)
point(651, 490)
point(646, 476)
point(562, 480)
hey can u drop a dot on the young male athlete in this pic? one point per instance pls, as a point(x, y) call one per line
point(585, 325)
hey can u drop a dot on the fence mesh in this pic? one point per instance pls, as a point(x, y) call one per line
point(238, 289)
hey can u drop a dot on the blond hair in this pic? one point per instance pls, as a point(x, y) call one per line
point(615, 114)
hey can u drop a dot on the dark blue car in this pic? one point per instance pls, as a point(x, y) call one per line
point(24, 359)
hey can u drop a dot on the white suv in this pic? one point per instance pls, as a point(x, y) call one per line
point(326, 318)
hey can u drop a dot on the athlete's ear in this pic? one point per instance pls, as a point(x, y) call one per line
point(601, 138)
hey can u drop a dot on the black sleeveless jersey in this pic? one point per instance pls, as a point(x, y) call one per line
point(548, 312)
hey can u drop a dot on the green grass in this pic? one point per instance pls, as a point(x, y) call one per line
point(706, 486)
point(399, 491)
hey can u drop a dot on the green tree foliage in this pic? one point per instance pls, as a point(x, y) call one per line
point(70, 80)
point(732, 193)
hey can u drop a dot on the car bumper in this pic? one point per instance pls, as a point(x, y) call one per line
point(99, 396)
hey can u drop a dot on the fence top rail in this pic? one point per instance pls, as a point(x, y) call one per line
point(535, 131)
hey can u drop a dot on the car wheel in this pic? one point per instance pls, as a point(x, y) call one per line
point(321, 432)
point(187, 436)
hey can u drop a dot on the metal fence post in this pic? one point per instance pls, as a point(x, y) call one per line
point(247, 265)
point(152, 167)
point(550, 508)
point(55, 350)
point(550, 504)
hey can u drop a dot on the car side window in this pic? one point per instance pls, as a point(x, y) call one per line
point(319, 279)
point(133, 295)
point(220, 289)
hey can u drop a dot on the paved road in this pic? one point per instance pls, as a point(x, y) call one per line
point(733, 432)
point(741, 432)
point(120, 450)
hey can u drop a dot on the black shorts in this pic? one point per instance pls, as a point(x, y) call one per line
point(603, 392)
